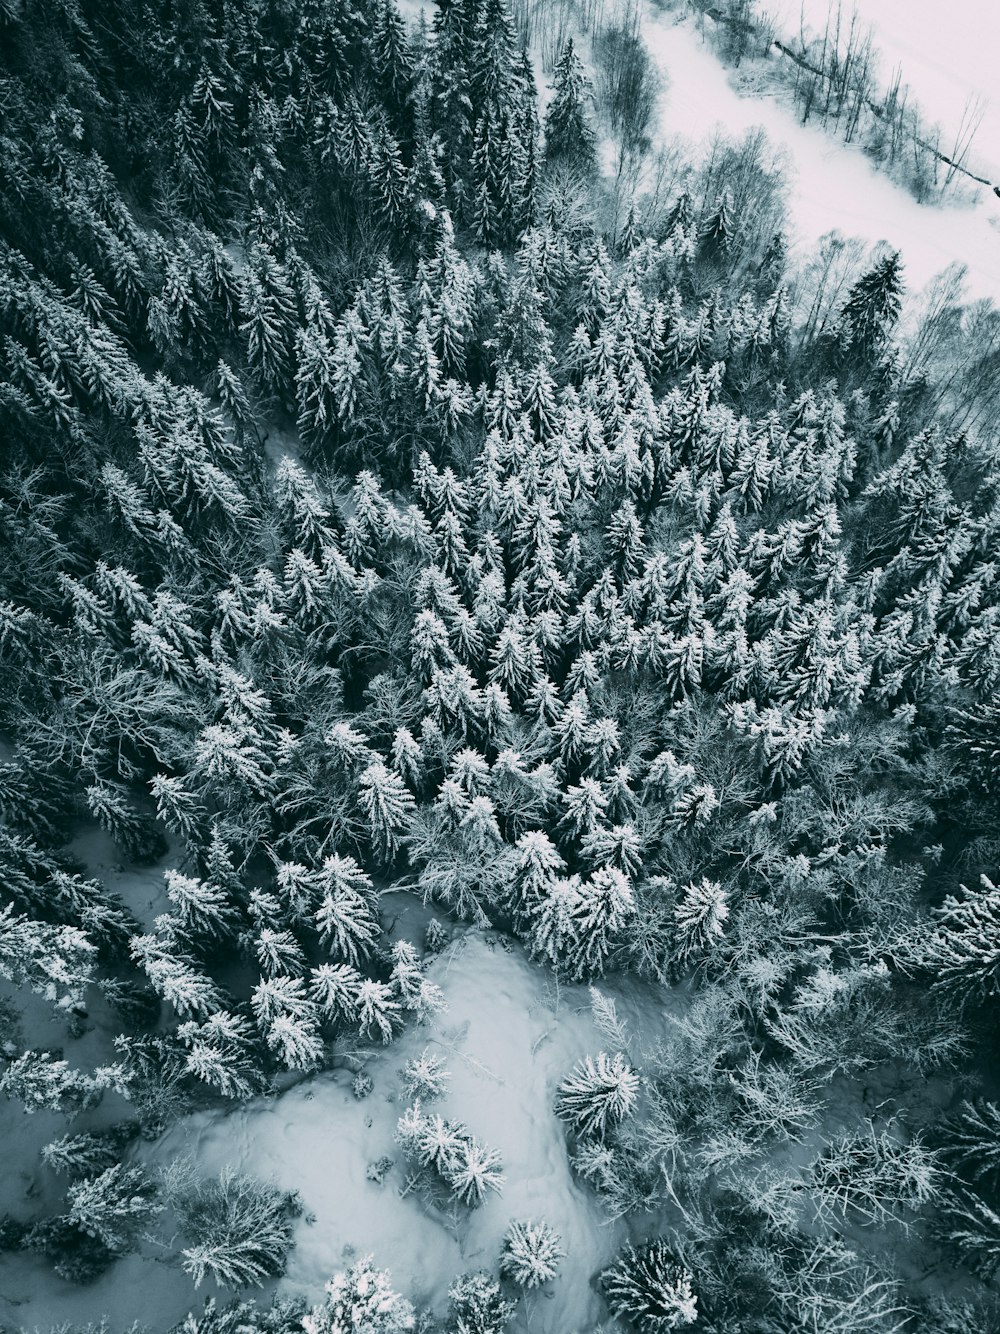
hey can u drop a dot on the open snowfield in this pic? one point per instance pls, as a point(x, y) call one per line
point(509, 1036)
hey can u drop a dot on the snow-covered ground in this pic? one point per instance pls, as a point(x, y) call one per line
point(947, 56)
point(509, 1036)
point(832, 184)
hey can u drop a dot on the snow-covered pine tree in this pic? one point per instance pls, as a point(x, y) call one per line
point(651, 1289)
point(569, 134)
point(598, 1094)
point(113, 1206)
point(531, 1253)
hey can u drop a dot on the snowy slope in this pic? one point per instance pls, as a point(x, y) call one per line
point(832, 185)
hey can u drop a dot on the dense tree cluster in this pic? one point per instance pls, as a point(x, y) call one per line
point(374, 513)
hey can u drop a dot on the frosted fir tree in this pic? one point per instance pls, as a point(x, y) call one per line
point(361, 1301)
point(279, 953)
point(336, 989)
point(872, 310)
point(619, 846)
point(57, 962)
point(42, 1082)
point(465, 1166)
point(650, 1289)
point(113, 1206)
point(699, 918)
point(415, 992)
point(378, 1010)
point(569, 134)
point(425, 1077)
point(475, 1170)
point(177, 807)
point(387, 806)
point(175, 977)
point(584, 807)
point(346, 919)
point(84, 1155)
point(603, 908)
point(221, 1052)
point(289, 1021)
point(537, 864)
point(531, 1254)
point(204, 911)
point(598, 1094)
point(296, 1041)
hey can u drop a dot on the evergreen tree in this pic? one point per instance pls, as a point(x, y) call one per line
point(113, 1206)
point(569, 136)
point(598, 1094)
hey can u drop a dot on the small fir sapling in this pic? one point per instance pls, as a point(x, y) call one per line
point(598, 1094)
point(362, 1085)
point(379, 1170)
point(531, 1254)
point(649, 1288)
point(436, 936)
point(425, 1077)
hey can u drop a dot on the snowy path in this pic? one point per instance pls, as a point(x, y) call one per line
point(832, 185)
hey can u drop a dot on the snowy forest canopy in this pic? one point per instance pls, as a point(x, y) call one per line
point(386, 502)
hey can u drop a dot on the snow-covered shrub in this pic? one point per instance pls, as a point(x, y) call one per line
point(360, 1301)
point(446, 1148)
point(425, 1077)
point(239, 1228)
point(598, 1094)
point(436, 936)
point(648, 1287)
point(478, 1306)
point(380, 1169)
point(531, 1253)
